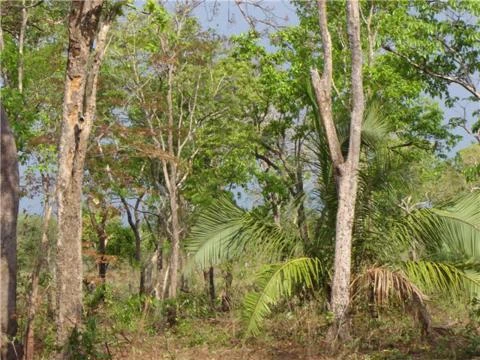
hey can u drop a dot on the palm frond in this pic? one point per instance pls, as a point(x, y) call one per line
point(276, 282)
point(383, 284)
point(447, 239)
point(436, 277)
point(387, 284)
point(375, 129)
point(213, 232)
point(465, 209)
point(224, 231)
point(450, 233)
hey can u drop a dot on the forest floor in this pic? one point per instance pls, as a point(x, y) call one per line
point(217, 339)
point(126, 329)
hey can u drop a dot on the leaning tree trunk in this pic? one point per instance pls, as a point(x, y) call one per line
point(79, 109)
point(346, 170)
point(9, 197)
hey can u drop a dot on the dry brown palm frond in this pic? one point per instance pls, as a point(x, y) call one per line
point(382, 285)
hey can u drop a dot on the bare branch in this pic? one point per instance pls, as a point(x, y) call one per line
point(353, 21)
point(323, 88)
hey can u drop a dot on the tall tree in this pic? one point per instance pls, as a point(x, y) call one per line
point(345, 168)
point(88, 27)
point(9, 197)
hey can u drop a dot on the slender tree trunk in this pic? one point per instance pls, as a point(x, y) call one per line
point(103, 264)
point(51, 291)
point(227, 291)
point(209, 277)
point(79, 110)
point(3, 73)
point(102, 236)
point(175, 256)
point(34, 300)
point(300, 193)
point(159, 265)
point(346, 170)
point(9, 198)
point(21, 41)
point(134, 222)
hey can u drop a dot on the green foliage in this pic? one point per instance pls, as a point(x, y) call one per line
point(83, 345)
point(241, 114)
point(223, 232)
point(277, 282)
point(121, 242)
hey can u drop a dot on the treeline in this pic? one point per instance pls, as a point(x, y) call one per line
point(317, 156)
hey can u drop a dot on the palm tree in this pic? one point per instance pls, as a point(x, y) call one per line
point(395, 255)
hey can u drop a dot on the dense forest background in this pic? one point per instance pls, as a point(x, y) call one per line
point(299, 189)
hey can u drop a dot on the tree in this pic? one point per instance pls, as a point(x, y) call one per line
point(9, 195)
point(346, 169)
point(179, 116)
point(87, 25)
point(438, 42)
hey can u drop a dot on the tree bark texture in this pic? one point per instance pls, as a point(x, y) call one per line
point(9, 198)
point(346, 170)
point(79, 109)
point(170, 172)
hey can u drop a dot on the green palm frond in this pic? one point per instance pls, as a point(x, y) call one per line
point(449, 233)
point(437, 277)
point(211, 236)
point(276, 282)
point(465, 209)
point(224, 231)
point(447, 239)
point(375, 130)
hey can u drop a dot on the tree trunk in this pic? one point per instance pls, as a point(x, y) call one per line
point(102, 236)
point(103, 264)
point(3, 72)
point(21, 41)
point(9, 198)
point(209, 277)
point(346, 171)
point(34, 299)
point(300, 193)
point(159, 271)
point(79, 110)
point(227, 291)
point(175, 256)
point(134, 222)
point(347, 191)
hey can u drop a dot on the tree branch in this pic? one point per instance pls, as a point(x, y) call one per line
point(323, 88)
point(358, 105)
point(452, 79)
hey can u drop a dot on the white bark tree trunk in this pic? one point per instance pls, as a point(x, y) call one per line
point(346, 170)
